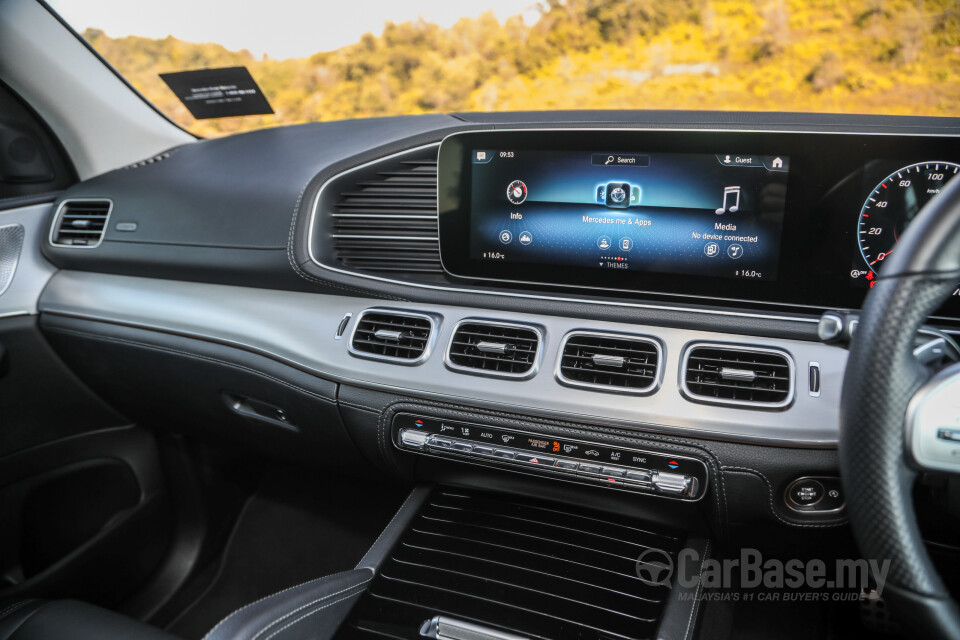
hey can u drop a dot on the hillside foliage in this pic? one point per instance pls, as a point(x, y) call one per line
point(841, 56)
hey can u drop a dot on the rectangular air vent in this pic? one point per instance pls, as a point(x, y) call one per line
point(388, 222)
point(610, 362)
point(390, 334)
point(738, 375)
point(522, 567)
point(493, 348)
point(81, 223)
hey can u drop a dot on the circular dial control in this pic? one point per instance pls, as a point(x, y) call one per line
point(894, 203)
point(516, 191)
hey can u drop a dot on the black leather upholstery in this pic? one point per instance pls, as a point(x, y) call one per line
point(309, 611)
point(881, 377)
point(70, 619)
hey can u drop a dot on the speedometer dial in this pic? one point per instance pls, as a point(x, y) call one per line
point(894, 203)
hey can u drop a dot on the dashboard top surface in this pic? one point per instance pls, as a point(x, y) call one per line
point(248, 221)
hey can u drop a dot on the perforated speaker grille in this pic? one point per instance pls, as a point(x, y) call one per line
point(11, 243)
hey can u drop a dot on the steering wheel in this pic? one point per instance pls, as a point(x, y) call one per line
point(897, 418)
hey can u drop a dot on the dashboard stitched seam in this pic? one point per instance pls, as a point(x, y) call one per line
point(359, 407)
point(773, 510)
point(696, 595)
point(196, 357)
point(307, 606)
point(307, 615)
point(385, 529)
point(713, 460)
point(13, 608)
point(210, 633)
point(300, 272)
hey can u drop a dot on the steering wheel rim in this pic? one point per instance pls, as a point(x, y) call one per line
point(881, 379)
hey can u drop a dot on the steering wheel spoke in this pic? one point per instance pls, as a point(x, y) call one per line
point(932, 423)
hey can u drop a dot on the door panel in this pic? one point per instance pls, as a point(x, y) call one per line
point(82, 500)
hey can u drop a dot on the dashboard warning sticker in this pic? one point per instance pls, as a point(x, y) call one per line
point(218, 93)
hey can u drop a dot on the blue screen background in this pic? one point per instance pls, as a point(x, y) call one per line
point(679, 196)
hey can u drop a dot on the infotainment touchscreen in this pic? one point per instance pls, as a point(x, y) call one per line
point(756, 217)
point(714, 215)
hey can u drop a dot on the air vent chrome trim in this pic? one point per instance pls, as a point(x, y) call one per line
point(60, 211)
point(644, 391)
point(731, 346)
point(427, 350)
point(526, 375)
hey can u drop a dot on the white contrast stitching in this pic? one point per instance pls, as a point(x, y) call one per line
point(309, 604)
point(696, 594)
point(360, 565)
point(13, 607)
point(773, 509)
point(256, 602)
point(306, 615)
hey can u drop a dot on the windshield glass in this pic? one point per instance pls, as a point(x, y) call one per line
point(362, 58)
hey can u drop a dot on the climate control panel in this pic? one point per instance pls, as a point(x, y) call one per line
point(673, 476)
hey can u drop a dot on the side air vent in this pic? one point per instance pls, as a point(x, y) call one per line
point(738, 375)
point(492, 348)
point(390, 334)
point(610, 362)
point(388, 222)
point(521, 567)
point(80, 223)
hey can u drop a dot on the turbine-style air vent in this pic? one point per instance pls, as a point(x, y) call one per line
point(80, 222)
point(739, 375)
point(494, 348)
point(388, 222)
point(610, 362)
point(390, 334)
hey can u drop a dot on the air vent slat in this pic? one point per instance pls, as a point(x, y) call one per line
point(80, 223)
point(393, 335)
point(557, 586)
point(610, 362)
point(749, 376)
point(492, 348)
point(378, 221)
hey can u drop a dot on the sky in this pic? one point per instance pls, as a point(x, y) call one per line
point(278, 28)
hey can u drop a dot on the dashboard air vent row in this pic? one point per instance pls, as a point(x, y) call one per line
point(494, 348)
point(388, 223)
point(735, 374)
point(390, 334)
point(610, 362)
point(80, 223)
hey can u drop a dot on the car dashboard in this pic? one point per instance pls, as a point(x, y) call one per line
point(648, 280)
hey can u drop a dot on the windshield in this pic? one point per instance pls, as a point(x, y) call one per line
point(327, 61)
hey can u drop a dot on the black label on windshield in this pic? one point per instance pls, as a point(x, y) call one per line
point(218, 93)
